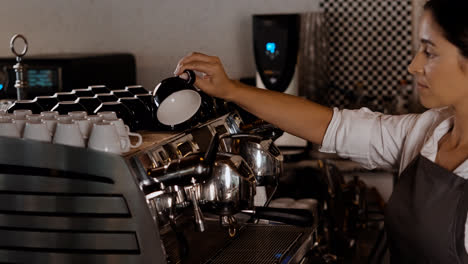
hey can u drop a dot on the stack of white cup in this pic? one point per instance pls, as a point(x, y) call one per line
point(103, 132)
point(111, 134)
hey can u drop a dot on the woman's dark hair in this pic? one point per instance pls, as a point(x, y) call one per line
point(452, 17)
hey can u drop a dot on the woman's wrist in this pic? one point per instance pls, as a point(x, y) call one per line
point(232, 89)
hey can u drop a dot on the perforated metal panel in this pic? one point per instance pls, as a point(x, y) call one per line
point(61, 204)
point(260, 244)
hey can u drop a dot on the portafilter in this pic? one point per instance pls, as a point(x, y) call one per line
point(188, 171)
point(231, 187)
point(231, 190)
point(263, 157)
point(223, 183)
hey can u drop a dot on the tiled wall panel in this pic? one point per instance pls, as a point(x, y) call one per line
point(370, 50)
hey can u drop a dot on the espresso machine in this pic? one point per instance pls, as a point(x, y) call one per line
point(187, 198)
point(209, 184)
point(200, 186)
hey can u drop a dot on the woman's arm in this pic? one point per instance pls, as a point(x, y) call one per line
point(293, 114)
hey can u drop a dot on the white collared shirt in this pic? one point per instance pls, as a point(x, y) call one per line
point(375, 140)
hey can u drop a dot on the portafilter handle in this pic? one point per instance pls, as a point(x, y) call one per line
point(197, 213)
point(291, 216)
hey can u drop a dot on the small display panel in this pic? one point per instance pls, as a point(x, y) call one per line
point(41, 81)
point(39, 78)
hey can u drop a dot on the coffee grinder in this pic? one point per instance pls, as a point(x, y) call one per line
point(276, 48)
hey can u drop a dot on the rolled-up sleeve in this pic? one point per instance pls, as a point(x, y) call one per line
point(369, 138)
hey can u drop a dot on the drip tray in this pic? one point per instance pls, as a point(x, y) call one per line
point(265, 244)
point(254, 243)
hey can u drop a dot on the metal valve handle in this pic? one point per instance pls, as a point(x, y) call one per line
point(12, 46)
point(21, 83)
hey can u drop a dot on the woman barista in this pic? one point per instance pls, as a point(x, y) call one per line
point(427, 212)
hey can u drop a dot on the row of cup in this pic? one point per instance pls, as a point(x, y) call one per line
point(104, 132)
point(134, 110)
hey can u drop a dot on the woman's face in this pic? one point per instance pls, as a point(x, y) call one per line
point(438, 68)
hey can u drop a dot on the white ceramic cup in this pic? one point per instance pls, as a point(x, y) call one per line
point(68, 133)
point(53, 114)
point(85, 126)
point(50, 122)
point(7, 117)
point(104, 137)
point(63, 118)
point(78, 114)
point(125, 134)
point(108, 115)
point(8, 128)
point(22, 113)
point(5, 104)
point(36, 130)
point(95, 118)
point(20, 122)
point(33, 117)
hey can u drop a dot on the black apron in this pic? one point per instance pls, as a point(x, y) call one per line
point(426, 215)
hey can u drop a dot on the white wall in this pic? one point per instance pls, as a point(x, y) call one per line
point(157, 32)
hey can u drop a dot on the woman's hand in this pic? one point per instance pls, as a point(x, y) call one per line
point(294, 115)
point(214, 81)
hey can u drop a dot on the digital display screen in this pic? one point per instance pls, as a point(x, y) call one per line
point(40, 81)
point(42, 78)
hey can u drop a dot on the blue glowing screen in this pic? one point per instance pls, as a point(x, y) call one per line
point(41, 77)
point(271, 47)
point(1, 86)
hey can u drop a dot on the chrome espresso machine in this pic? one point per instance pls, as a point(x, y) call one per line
point(208, 189)
point(187, 197)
